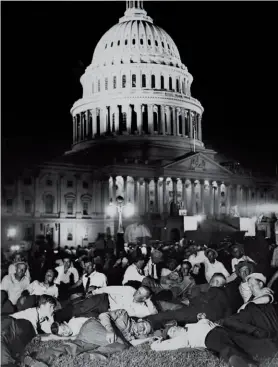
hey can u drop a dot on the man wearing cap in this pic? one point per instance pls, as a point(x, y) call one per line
point(260, 294)
point(242, 270)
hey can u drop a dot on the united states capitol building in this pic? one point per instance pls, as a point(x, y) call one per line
point(137, 133)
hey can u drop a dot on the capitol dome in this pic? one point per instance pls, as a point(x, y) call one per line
point(136, 39)
point(137, 95)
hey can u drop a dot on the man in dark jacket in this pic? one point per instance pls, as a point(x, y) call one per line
point(250, 333)
point(15, 335)
point(214, 303)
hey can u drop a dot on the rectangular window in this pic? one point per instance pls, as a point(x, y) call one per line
point(114, 82)
point(70, 184)
point(70, 207)
point(133, 78)
point(85, 185)
point(143, 81)
point(106, 83)
point(69, 238)
point(98, 86)
point(85, 207)
point(123, 81)
point(9, 205)
point(28, 206)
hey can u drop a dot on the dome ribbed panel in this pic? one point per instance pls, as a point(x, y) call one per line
point(137, 30)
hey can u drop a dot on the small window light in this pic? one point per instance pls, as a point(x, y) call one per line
point(156, 43)
point(141, 41)
point(119, 43)
point(125, 42)
point(133, 41)
point(111, 44)
point(149, 42)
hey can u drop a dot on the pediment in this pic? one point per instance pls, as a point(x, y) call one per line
point(197, 162)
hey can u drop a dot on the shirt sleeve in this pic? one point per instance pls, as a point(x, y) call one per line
point(225, 272)
point(31, 287)
point(5, 283)
point(132, 274)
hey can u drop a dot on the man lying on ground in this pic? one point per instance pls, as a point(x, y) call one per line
point(237, 339)
point(137, 303)
point(214, 303)
point(112, 332)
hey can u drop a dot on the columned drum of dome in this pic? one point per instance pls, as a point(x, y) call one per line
point(136, 92)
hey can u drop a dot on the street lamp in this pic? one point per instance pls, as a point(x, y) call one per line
point(123, 209)
point(11, 232)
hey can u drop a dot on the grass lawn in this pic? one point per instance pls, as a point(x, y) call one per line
point(141, 356)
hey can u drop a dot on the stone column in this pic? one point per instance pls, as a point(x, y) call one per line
point(117, 119)
point(150, 118)
point(228, 198)
point(146, 195)
point(190, 125)
point(202, 198)
point(94, 122)
point(174, 114)
point(164, 195)
point(193, 201)
point(200, 127)
point(102, 120)
point(113, 189)
point(136, 194)
point(87, 123)
point(174, 180)
point(73, 132)
point(184, 196)
point(212, 190)
point(156, 210)
point(183, 121)
point(218, 201)
point(168, 113)
point(238, 198)
point(139, 118)
point(128, 119)
point(162, 119)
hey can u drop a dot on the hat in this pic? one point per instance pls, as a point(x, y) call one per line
point(257, 276)
point(211, 250)
point(241, 264)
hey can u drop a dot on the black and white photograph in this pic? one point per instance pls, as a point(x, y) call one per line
point(139, 184)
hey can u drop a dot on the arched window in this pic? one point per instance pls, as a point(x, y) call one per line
point(93, 88)
point(119, 42)
point(106, 83)
point(49, 203)
point(170, 83)
point(125, 42)
point(114, 82)
point(156, 43)
point(177, 85)
point(162, 81)
point(123, 81)
point(133, 41)
point(133, 79)
point(149, 42)
point(144, 81)
point(153, 81)
point(141, 41)
point(98, 86)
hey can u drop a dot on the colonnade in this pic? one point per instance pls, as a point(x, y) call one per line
point(137, 119)
point(208, 197)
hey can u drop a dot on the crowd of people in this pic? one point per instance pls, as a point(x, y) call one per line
point(174, 295)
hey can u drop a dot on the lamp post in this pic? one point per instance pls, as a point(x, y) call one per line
point(122, 209)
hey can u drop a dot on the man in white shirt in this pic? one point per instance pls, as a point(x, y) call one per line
point(15, 284)
point(134, 271)
point(91, 279)
point(243, 269)
point(238, 256)
point(41, 317)
point(137, 303)
point(65, 272)
point(213, 266)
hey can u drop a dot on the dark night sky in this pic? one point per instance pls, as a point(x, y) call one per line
point(230, 48)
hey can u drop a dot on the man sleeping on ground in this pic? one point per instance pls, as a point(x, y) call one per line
point(111, 332)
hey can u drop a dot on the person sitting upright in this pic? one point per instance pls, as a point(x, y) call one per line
point(134, 271)
point(15, 284)
point(17, 258)
point(91, 279)
point(67, 275)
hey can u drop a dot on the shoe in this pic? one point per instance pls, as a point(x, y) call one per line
point(237, 361)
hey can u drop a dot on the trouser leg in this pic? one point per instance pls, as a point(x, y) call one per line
point(182, 316)
point(91, 307)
